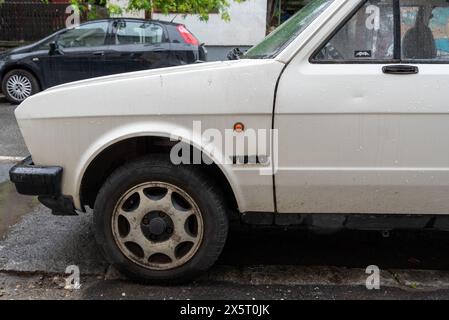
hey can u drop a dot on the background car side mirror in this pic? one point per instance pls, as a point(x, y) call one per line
point(54, 49)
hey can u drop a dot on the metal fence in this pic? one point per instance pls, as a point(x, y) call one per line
point(25, 21)
point(28, 21)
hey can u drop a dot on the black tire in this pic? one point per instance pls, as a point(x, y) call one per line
point(35, 88)
point(203, 191)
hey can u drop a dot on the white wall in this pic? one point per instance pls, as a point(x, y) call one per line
point(246, 28)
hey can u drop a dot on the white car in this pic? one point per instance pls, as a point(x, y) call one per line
point(338, 119)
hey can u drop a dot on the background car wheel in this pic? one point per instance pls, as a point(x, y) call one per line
point(160, 223)
point(17, 85)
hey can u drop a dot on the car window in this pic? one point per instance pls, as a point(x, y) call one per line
point(425, 30)
point(138, 32)
point(89, 35)
point(368, 35)
point(46, 44)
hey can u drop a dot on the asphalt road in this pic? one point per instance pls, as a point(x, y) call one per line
point(257, 263)
point(11, 141)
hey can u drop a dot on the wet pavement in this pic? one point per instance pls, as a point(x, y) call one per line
point(50, 287)
point(11, 141)
point(257, 263)
point(54, 242)
point(12, 207)
point(4, 168)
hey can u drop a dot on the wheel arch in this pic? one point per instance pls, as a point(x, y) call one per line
point(132, 147)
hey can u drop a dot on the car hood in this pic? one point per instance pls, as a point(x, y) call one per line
point(21, 49)
point(18, 50)
point(225, 87)
point(137, 75)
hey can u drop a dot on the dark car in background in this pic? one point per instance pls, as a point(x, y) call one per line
point(93, 49)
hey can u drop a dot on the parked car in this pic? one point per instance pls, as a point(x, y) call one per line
point(94, 49)
point(352, 98)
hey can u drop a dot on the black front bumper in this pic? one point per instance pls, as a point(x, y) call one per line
point(45, 182)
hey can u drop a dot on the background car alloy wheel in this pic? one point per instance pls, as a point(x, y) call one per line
point(18, 85)
point(157, 225)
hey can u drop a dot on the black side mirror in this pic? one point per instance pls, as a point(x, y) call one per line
point(234, 54)
point(54, 49)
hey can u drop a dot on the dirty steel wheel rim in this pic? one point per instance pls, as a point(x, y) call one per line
point(19, 87)
point(157, 225)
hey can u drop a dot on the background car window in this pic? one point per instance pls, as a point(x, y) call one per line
point(368, 35)
point(425, 30)
point(137, 32)
point(89, 35)
point(45, 45)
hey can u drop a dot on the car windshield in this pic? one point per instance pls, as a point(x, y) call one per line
point(274, 43)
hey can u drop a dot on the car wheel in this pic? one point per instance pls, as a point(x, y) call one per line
point(160, 223)
point(17, 85)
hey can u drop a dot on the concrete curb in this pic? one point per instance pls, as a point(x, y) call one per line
point(410, 280)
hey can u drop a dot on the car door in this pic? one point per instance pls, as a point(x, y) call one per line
point(80, 54)
point(137, 45)
point(363, 116)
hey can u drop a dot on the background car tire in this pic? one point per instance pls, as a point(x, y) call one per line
point(200, 188)
point(22, 78)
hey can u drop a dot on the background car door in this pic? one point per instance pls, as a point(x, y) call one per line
point(363, 123)
point(137, 45)
point(80, 54)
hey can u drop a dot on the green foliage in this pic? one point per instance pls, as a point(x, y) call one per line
point(413, 285)
point(203, 8)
